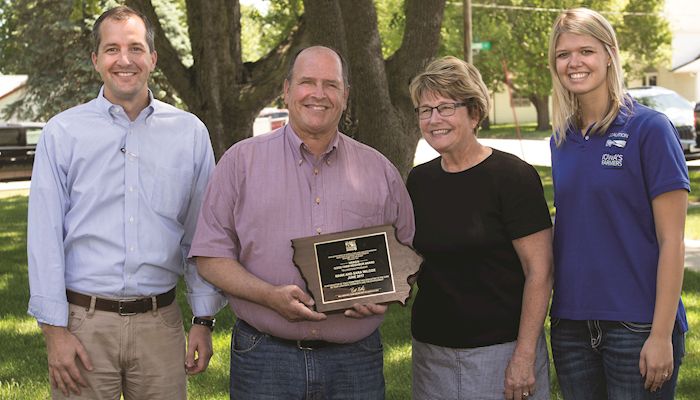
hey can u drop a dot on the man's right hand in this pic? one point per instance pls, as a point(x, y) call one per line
point(62, 348)
point(229, 275)
point(294, 304)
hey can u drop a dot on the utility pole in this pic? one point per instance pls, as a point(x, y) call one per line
point(467, 12)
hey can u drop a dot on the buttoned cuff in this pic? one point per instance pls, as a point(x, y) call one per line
point(206, 304)
point(48, 311)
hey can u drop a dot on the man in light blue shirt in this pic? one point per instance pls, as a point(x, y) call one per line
point(115, 194)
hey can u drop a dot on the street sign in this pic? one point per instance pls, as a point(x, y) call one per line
point(481, 46)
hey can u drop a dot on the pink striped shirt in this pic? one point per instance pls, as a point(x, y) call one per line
point(269, 189)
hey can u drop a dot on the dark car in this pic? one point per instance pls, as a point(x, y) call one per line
point(17, 146)
point(676, 108)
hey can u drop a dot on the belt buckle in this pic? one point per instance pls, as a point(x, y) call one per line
point(121, 308)
point(301, 346)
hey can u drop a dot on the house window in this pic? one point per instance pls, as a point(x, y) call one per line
point(520, 101)
point(649, 80)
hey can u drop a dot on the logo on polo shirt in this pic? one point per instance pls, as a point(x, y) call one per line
point(618, 135)
point(612, 160)
point(617, 139)
point(616, 143)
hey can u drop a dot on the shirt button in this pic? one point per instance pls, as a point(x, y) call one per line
point(131, 188)
point(301, 161)
point(318, 200)
point(315, 171)
point(131, 248)
point(131, 219)
point(588, 137)
point(328, 162)
point(318, 230)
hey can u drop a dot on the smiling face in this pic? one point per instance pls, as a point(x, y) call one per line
point(124, 61)
point(582, 65)
point(447, 135)
point(315, 95)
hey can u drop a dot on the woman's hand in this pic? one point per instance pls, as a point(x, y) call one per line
point(656, 362)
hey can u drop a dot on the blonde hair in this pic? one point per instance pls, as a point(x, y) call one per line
point(456, 79)
point(565, 105)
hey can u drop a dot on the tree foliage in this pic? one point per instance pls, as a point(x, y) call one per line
point(645, 40)
point(50, 41)
point(226, 84)
point(225, 62)
point(57, 45)
point(519, 34)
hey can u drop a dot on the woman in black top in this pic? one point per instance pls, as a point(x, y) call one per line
point(483, 228)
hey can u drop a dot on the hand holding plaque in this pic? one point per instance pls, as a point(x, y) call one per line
point(359, 266)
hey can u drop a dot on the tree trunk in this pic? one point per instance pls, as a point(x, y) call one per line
point(225, 93)
point(380, 112)
point(541, 104)
point(486, 124)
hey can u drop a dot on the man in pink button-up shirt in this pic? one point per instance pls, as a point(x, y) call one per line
point(303, 179)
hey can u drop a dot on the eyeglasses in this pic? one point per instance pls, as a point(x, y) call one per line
point(445, 110)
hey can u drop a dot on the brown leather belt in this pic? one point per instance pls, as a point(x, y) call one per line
point(122, 307)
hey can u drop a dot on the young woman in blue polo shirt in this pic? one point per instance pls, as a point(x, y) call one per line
point(621, 190)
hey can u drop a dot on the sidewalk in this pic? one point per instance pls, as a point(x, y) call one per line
point(535, 152)
point(692, 254)
point(9, 189)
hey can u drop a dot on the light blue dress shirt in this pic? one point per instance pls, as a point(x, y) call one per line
point(113, 206)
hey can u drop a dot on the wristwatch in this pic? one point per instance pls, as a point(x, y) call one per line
point(209, 323)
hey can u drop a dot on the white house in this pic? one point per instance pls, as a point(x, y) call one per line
point(12, 88)
point(683, 76)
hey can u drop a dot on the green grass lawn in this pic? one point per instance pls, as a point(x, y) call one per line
point(23, 367)
point(507, 131)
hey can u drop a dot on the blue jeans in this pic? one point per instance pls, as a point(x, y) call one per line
point(264, 367)
point(597, 360)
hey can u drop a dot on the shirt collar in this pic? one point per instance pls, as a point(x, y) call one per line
point(299, 148)
point(620, 120)
point(623, 115)
point(114, 111)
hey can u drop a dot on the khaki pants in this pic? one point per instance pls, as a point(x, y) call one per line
point(141, 356)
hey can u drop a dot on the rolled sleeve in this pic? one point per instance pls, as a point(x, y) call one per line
point(204, 299)
point(47, 207)
point(49, 311)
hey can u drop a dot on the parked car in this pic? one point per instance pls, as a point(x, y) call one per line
point(270, 119)
point(677, 109)
point(17, 146)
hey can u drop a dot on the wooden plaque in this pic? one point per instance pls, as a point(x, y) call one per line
point(367, 265)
